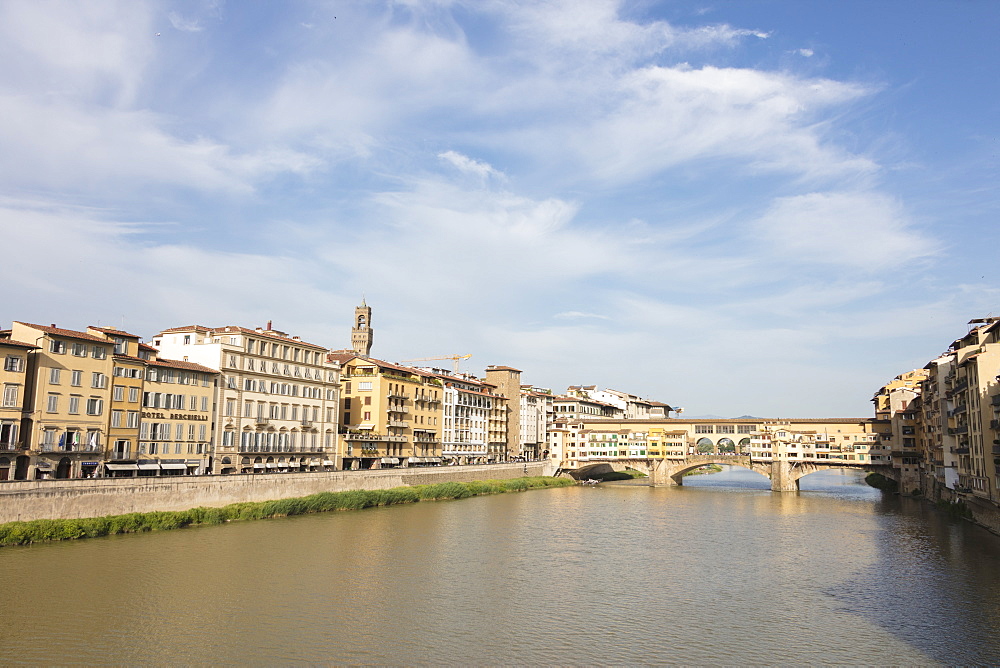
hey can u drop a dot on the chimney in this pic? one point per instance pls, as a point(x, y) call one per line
point(54, 326)
point(269, 325)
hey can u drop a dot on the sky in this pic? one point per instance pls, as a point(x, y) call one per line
point(767, 207)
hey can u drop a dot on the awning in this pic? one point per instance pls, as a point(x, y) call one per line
point(327, 462)
point(149, 467)
point(122, 467)
point(432, 460)
point(366, 425)
point(176, 467)
point(271, 465)
point(295, 464)
point(43, 465)
point(390, 460)
point(258, 465)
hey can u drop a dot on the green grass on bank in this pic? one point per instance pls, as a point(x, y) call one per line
point(703, 470)
point(37, 531)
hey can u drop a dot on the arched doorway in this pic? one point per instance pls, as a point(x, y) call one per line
point(21, 467)
point(726, 445)
point(704, 446)
point(64, 468)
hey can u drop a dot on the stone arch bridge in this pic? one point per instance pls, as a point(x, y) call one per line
point(784, 474)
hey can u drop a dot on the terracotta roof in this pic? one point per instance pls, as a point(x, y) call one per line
point(67, 333)
point(502, 368)
point(178, 364)
point(16, 344)
point(344, 357)
point(147, 347)
point(129, 358)
point(113, 331)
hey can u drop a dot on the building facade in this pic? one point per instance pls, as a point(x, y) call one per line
point(277, 397)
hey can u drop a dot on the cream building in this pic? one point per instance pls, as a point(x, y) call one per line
point(277, 399)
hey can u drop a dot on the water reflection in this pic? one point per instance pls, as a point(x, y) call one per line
point(720, 570)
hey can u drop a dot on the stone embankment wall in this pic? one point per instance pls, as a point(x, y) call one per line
point(68, 499)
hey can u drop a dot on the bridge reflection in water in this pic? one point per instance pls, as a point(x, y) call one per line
point(783, 472)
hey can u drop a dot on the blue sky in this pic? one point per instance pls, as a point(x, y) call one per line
point(764, 208)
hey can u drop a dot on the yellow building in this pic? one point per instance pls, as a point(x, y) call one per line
point(68, 396)
point(177, 415)
point(391, 415)
point(14, 379)
point(127, 377)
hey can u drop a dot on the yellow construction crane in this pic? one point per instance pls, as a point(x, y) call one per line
point(455, 359)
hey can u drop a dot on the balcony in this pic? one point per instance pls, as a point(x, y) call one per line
point(395, 394)
point(954, 431)
point(9, 447)
point(398, 409)
point(361, 436)
point(262, 421)
point(995, 401)
point(961, 408)
point(71, 447)
point(398, 423)
point(307, 424)
point(994, 424)
point(959, 451)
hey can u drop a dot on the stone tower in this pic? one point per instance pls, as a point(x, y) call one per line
point(361, 335)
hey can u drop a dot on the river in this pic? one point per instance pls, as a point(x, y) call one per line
point(720, 571)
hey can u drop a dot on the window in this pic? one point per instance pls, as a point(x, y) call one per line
point(703, 429)
point(57, 347)
point(230, 407)
point(95, 406)
point(187, 339)
point(204, 404)
point(364, 385)
point(118, 393)
point(76, 378)
point(13, 363)
point(78, 349)
point(133, 394)
point(98, 380)
point(100, 352)
point(132, 419)
point(10, 393)
point(54, 376)
point(119, 345)
point(116, 418)
point(74, 405)
point(52, 406)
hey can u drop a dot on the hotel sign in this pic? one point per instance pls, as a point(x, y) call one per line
point(174, 416)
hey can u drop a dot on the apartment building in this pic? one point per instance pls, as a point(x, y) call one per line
point(14, 379)
point(391, 415)
point(67, 398)
point(277, 398)
point(536, 415)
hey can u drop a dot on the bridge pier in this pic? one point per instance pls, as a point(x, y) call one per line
point(782, 478)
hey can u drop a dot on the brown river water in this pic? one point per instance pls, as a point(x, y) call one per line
point(720, 571)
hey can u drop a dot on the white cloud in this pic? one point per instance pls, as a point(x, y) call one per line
point(864, 230)
point(469, 166)
point(580, 314)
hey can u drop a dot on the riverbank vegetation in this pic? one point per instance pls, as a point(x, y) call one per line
point(627, 474)
point(37, 531)
point(702, 470)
